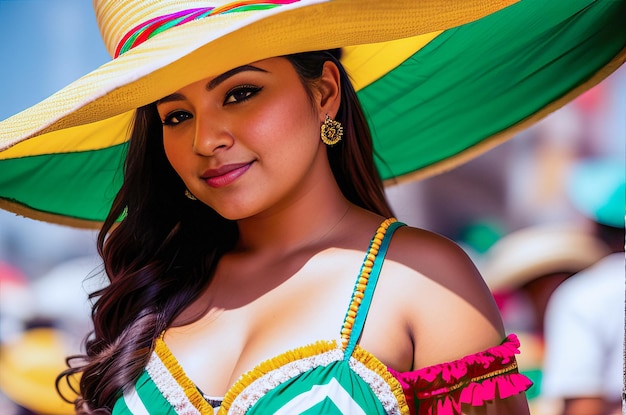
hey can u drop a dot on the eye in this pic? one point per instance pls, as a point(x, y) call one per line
point(176, 117)
point(241, 93)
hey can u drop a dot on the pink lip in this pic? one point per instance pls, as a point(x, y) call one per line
point(226, 174)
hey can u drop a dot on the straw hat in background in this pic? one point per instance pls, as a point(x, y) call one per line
point(523, 269)
point(29, 365)
point(450, 80)
point(533, 252)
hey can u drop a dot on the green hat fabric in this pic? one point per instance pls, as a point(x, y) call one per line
point(464, 91)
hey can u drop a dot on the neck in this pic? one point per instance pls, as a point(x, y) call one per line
point(306, 222)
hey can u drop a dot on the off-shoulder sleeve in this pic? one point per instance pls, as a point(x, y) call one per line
point(474, 379)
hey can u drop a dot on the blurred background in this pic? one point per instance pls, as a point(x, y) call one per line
point(532, 213)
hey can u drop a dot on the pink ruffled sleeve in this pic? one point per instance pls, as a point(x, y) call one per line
point(441, 389)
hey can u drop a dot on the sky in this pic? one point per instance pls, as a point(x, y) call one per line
point(44, 45)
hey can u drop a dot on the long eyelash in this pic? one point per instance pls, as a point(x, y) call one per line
point(253, 89)
point(167, 121)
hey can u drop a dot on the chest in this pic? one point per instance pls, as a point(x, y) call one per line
point(245, 327)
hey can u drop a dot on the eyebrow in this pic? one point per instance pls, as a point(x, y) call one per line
point(221, 78)
point(213, 83)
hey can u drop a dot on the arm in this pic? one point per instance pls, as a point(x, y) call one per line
point(515, 405)
point(455, 319)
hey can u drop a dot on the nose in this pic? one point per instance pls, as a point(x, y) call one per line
point(211, 136)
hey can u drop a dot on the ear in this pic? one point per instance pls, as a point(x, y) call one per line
point(329, 89)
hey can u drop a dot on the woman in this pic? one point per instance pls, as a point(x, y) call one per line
point(254, 263)
point(261, 257)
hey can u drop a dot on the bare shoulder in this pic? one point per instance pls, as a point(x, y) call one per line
point(444, 302)
point(438, 258)
point(409, 244)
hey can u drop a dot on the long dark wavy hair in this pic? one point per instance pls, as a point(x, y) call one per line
point(160, 249)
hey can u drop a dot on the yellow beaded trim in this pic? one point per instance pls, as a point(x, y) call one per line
point(510, 368)
point(371, 362)
point(274, 363)
point(178, 373)
point(361, 284)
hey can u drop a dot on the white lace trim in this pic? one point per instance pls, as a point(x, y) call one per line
point(257, 389)
point(380, 387)
point(175, 395)
point(169, 387)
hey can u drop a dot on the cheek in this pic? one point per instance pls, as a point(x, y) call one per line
point(175, 155)
point(287, 124)
point(170, 153)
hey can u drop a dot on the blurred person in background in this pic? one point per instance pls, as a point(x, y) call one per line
point(16, 300)
point(41, 322)
point(522, 269)
point(29, 365)
point(69, 306)
point(16, 306)
point(584, 322)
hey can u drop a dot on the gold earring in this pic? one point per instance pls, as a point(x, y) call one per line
point(189, 195)
point(332, 131)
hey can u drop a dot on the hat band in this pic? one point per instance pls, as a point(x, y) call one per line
point(156, 25)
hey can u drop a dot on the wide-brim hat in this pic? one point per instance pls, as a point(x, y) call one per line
point(538, 251)
point(29, 365)
point(440, 81)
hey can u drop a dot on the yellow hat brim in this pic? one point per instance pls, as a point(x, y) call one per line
point(203, 48)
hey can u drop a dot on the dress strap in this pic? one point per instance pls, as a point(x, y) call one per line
point(365, 286)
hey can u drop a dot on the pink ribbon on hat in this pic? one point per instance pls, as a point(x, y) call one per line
point(156, 25)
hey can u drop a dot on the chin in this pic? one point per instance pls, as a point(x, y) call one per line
point(234, 212)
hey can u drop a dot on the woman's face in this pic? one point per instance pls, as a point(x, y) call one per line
point(246, 141)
